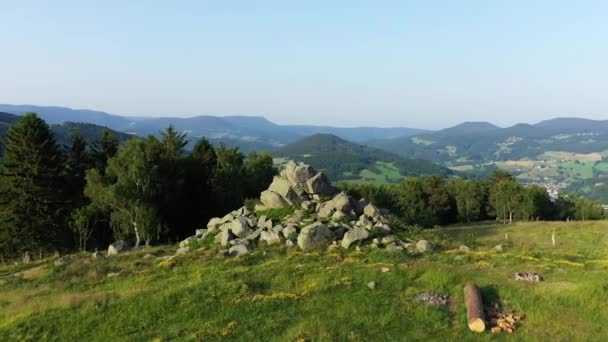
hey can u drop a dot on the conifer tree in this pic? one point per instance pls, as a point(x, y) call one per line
point(32, 196)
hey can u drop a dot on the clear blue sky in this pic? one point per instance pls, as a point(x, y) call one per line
point(426, 64)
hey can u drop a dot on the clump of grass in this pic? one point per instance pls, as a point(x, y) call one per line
point(277, 214)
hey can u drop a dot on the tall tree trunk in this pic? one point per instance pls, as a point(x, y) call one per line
point(137, 238)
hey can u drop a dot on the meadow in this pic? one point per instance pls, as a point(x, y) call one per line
point(282, 294)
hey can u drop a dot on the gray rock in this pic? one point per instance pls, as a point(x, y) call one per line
point(96, 255)
point(354, 235)
point(213, 224)
point(290, 231)
point(341, 202)
point(113, 274)
point(325, 210)
point(299, 173)
point(499, 248)
point(339, 232)
point(271, 237)
point(225, 237)
point(308, 205)
point(255, 235)
point(464, 248)
point(118, 247)
point(284, 188)
point(383, 228)
point(320, 185)
point(339, 216)
point(186, 242)
point(63, 260)
point(393, 247)
point(272, 200)
point(389, 239)
point(148, 256)
point(371, 285)
point(262, 221)
point(200, 232)
point(314, 236)
point(182, 250)
point(227, 218)
point(278, 228)
point(424, 246)
point(239, 250)
point(371, 210)
point(240, 227)
point(289, 243)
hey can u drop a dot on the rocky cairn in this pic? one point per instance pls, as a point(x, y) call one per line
point(323, 218)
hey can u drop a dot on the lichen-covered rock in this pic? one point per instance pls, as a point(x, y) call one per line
point(315, 236)
point(225, 237)
point(354, 235)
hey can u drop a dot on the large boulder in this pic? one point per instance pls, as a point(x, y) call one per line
point(118, 247)
point(285, 189)
point(354, 235)
point(240, 227)
point(319, 184)
point(315, 236)
point(213, 224)
point(298, 173)
point(272, 200)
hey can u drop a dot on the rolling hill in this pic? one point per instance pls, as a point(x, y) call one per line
point(248, 132)
point(345, 160)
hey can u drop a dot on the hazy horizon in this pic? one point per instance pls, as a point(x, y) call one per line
point(428, 65)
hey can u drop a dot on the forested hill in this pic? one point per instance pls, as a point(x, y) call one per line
point(63, 132)
point(344, 160)
point(247, 132)
point(482, 142)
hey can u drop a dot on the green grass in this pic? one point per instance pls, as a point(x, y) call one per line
point(380, 173)
point(278, 294)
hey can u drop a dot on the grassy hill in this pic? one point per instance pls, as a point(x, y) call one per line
point(344, 160)
point(278, 294)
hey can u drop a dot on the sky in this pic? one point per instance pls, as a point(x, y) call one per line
point(426, 64)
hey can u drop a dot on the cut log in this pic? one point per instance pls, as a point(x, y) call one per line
point(474, 304)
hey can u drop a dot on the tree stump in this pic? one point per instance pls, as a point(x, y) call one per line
point(474, 304)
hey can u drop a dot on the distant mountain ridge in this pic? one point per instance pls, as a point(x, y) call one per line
point(63, 132)
point(251, 132)
point(483, 142)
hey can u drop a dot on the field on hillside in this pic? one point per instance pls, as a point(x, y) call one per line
point(281, 294)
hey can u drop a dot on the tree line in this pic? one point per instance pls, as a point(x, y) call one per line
point(150, 189)
point(432, 201)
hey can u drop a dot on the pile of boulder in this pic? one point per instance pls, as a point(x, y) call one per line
point(321, 218)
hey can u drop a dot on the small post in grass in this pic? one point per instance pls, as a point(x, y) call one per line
point(553, 238)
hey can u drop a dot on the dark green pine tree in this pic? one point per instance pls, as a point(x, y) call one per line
point(32, 180)
point(78, 162)
point(104, 149)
